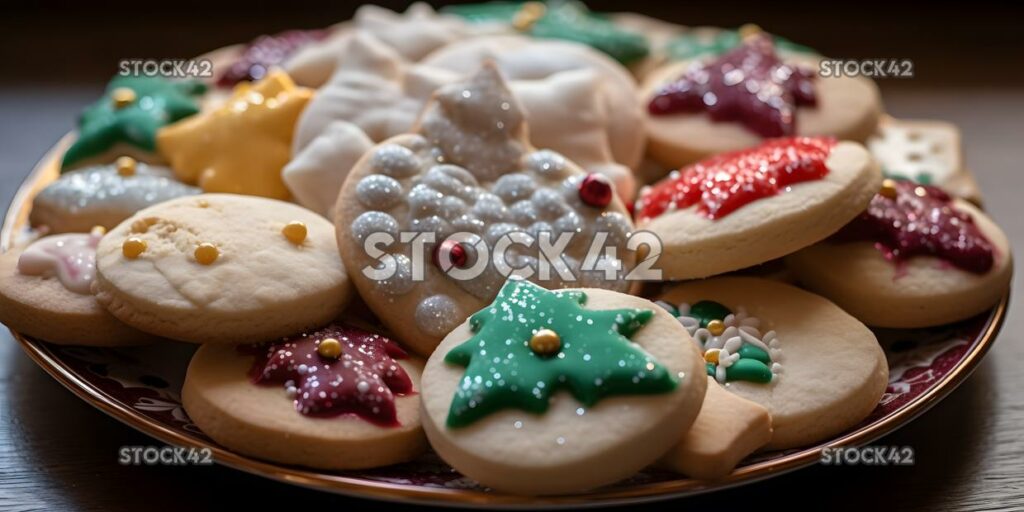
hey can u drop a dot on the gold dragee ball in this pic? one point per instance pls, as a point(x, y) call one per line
point(133, 247)
point(126, 166)
point(98, 230)
point(206, 253)
point(888, 189)
point(920, 191)
point(330, 348)
point(295, 232)
point(122, 97)
point(749, 30)
point(545, 342)
point(711, 355)
point(528, 15)
point(716, 327)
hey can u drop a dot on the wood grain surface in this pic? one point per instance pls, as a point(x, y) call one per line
point(58, 453)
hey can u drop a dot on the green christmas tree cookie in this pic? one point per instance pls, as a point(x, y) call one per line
point(131, 112)
point(560, 19)
point(531, 342)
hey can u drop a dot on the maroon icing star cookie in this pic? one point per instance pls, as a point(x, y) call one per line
point(336, 398)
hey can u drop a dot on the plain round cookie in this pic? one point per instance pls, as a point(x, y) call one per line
point(518, 452)
point(833, 370)
point(922, 291)
point(261, 286)
point(261, 421)
point(41, 307)
point(694, 246)
point(848, 109)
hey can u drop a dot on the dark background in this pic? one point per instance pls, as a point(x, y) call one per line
point(58, 453)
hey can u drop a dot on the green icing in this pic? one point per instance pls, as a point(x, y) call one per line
point(158, 102)
point(692, 45)
point(750, 370)
point(708, 310)
point(596, 358)
point(564, 19)
point(924, 178)
point(748, 351)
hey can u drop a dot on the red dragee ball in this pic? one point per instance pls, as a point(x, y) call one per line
point(596, 190)
point(454, 251)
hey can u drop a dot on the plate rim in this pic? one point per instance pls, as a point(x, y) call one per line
point(392, 492)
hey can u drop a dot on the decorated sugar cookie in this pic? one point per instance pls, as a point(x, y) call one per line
point(382, 95)
point(45, 293)
point(469, 178)
point(338, 397)
point(104, 195)
point(222, 268)
point(916, 257)
point(815, 368)
point(242, 146)
point(548, 392)
point(747, 207)
point(522, 58)
point(126, 119)
point(927, 152)
point(560, 19)
point(733, 101)
point(412, 35)
point(264, 53)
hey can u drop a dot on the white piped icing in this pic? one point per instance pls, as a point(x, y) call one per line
point(70, 257)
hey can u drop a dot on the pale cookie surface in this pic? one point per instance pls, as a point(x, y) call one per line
point(927, 152)
point(218, 268)
point(567, 446)
point(263, 419)
point(695, 245)
point(41, 305)
point(828, 371)
point(104, 195)
point(469, 170)
point(847, 109)
point(728, 428)
point(919, 292)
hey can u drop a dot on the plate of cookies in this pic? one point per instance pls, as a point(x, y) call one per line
point(509, 254)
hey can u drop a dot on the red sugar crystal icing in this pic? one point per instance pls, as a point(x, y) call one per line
point(723, 183)
point(749, 84)
point(921, 220)
point(363, 381)
point(265, 52)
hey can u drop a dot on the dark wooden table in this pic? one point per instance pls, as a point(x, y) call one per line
point(58, 453)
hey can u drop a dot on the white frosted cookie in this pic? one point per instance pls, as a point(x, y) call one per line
point(522, 58)
point(928, 152)
point(469, 178)
point(316, 174)
point(762, 204)
point(222, 268)
point(728, 428)
point(815, 368)
point(44, 293)
point(336, 398)
point(556, 392)
point(103, 195)
point(382, 94)
point(412, 34)
point(952, 264)
point(681, 128)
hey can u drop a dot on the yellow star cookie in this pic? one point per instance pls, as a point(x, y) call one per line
point(241, 146)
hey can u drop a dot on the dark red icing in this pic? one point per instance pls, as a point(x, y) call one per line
point(265, 52)
point(921, 220)
point(749, 85)
point(723, 183)
point(363, 380)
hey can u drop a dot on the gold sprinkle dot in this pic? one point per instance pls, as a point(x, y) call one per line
point(545, 342)
point(203, 203)
point(98, 230)
point(126, 166)
point(122, 97)
point(330, 348)
point(920, 191)
point(888, 189)
point(716, 327)
point(711, 355)
point(528, 15)
point(206, 253)
point(133, 247)
point(295, 232)
point(749, 30)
